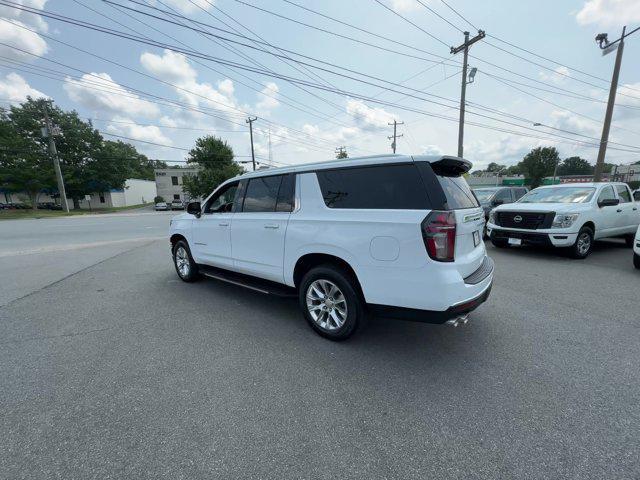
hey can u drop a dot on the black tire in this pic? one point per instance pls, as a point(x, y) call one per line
point(628, 240)
point(636, 261)
point(347, 286)
point(500, 243)
point(190, 273)
point(583, 244)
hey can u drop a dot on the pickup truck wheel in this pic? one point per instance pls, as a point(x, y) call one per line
point(330, 302)
point(636, 260)
point(186, 267)
point(583, 244)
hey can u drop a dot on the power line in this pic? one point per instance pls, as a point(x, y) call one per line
point(459, 14)
point(439, 16)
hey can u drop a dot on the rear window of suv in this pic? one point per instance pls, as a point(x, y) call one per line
point(394, 186)
point(457, 191)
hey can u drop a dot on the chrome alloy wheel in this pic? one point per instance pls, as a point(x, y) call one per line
point(326, 304)
point(584, 243)
point(182, 262)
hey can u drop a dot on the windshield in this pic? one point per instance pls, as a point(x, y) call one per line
point(484, 194)
point(559, 195)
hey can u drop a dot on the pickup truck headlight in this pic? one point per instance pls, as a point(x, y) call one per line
point(492, 217)
point(564, 220)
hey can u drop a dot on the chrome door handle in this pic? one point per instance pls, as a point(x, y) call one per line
point(635, 208)
point(223, 224)
point(272, 226)
point(619, 210)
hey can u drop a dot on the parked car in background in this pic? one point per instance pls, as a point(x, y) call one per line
point(568, 215)
point(396, 235)
point(636, 249)
point(491, 197)
point(160, 206)
point(177, 205)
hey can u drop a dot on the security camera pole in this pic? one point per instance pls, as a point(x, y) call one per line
point(608, 47)
point(465, 48)
point(49, 132)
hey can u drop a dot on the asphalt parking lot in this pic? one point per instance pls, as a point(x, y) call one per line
point(113, 368)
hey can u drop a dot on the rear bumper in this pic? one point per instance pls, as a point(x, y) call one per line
point(431, 316)
point(534, 237)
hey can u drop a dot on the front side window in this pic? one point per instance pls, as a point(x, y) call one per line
point(623, 193)
point(377, 187)
point(484, 194)
point(222, 202)
point(520, 192)
point(606, 194)
point(504, 195)
point(559, 195)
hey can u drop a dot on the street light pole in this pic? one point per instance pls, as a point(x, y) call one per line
point(463, 93)
point(250, 121)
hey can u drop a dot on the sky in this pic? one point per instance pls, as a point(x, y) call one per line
point(188, 68)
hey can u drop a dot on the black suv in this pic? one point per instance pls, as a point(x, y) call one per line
point(491, 197)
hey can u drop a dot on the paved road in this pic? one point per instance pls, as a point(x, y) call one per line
point(35, 253)
point(122, 371)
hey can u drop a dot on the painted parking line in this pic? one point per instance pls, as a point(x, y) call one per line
point(75, 246)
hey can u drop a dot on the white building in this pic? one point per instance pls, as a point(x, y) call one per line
point(169, 183)
point(135, 192)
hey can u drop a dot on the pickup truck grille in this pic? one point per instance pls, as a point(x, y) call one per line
point(525, 220)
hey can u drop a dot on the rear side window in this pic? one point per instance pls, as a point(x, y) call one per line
point(285, 194)
point(457, 191)
point(262, 194)
point(377, 187)
point(623, 193)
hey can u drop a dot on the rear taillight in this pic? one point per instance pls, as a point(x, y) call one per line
point(439, 234)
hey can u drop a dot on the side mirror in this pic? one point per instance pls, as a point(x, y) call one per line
point(608, 202)
point(194, 208)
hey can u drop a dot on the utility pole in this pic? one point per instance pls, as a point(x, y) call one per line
point(253, 156)
point(608, 47)
point(49, 132)
point(395, 135)
point(465, 48)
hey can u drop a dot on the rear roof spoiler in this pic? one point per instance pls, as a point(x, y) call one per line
point(451, 166)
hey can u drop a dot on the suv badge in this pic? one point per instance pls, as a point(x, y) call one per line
point(517, 218)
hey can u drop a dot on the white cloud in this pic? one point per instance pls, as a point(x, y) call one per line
point(630, 96)
point(34, 21)
point(368, 118)
point(431, 150)
point(171, 67)
point(175, 67)
point(609, 13)
point(147, 133)
point(168, 122)
point(11, 33)
point(268, 98)
point(573, 123)
point(404, 5)
point(16, 89)
point(560, 75)
point(99, 92)
point(191, 6)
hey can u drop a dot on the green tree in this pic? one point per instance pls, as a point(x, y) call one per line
point(539, 163)
point(25, 165)
point(515, 169)
point(342, 153)
point(215, 159)
point(575, 166)
point(495, 167)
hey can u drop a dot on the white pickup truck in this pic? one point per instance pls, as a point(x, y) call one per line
point(568, 215)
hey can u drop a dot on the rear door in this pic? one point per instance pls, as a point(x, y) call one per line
point(469, 249)
point(260, 224)
point(627, 222)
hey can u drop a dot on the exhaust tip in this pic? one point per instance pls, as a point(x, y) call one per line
point(462, 320)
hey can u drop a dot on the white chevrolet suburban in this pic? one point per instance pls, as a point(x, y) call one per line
point(567, 215)
point(393, 235)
